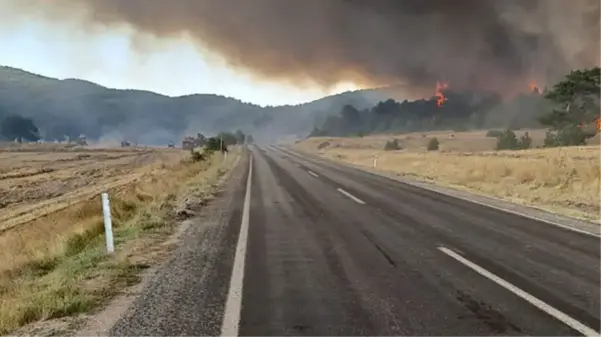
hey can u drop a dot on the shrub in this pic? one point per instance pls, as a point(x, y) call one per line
point(392, 145)
point(570, 135)
point(323, 145)
point(198, 156)
point(494, 133)
point(507, 141)
point(550, 139)
point(433, 144)
point(213, 144)
point(525, 141)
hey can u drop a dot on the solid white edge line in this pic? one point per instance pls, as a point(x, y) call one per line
point(352, 197)
point(562, 317)
point(527, 216)
point(313, 174)
point(502, 209)
point(233, 304)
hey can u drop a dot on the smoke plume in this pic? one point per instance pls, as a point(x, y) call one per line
point(495, 45)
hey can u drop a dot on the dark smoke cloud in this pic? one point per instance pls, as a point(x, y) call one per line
point(488, 44)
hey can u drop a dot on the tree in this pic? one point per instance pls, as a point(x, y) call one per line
point(507, 141)
point(393, 145)
point(433, 144)
point(213, 144)
point(240, 136)
point(200, 139)
point(14, 126)
point(228, 138)
point(570, 135)
point(525, 141)
point(576, 100)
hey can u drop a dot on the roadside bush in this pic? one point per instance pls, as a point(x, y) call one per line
point(392, 145)
point(571, 135)
point(198, 156)
point(494, 133)
point(433, 144)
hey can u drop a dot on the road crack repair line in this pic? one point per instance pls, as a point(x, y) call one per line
point(555, 313)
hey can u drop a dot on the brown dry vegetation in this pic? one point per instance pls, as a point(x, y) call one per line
point(33, 184)
point(562, 180)
point(52, 261)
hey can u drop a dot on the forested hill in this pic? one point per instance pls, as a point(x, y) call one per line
point(73, 107)
point(458, 111)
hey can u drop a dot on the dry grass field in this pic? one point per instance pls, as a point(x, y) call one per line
point(562, 180)
point(34, 184)
point(52, 261)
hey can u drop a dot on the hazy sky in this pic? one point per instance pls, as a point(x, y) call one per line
point(109, 58)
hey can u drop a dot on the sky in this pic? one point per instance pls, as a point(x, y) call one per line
point(113, 59)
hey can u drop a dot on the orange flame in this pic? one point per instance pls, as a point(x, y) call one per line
point(440, 97)
point(533, 87)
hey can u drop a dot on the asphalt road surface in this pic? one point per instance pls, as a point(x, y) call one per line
point(308, 247)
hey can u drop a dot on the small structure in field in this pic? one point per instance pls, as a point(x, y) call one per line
point(188, 143)
point(82, 140)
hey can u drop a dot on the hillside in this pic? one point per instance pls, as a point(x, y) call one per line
point(71, 107)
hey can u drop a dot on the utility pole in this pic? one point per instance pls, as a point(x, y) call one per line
point(221, 145)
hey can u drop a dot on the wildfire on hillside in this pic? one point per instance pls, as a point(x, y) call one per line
point(440, 97)
point(534, 88)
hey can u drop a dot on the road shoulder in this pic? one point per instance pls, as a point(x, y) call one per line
point(186, 295)
point(203, 217)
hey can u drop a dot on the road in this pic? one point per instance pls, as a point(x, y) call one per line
point(309, 247)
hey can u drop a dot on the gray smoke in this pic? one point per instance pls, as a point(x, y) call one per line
point(497, 45)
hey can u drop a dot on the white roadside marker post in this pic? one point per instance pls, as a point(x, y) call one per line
point(108, 225)
point(375, 160)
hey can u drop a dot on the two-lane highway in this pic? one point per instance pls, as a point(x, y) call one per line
point(324, 249)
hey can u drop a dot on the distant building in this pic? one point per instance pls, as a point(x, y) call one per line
point(82, 140)
point(191, 142)
point(188, 143)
